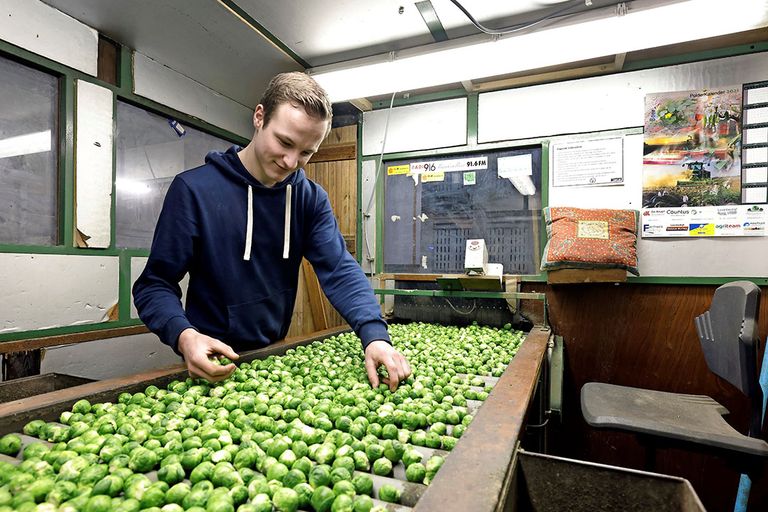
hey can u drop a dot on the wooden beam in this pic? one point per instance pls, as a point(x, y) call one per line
point(363, 104)
point(347, 151)
point(550, 76)
point(618, 61)
point(68, 339)
point(316, 303)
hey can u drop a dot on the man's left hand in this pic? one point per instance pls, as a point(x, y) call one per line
point(379, 352)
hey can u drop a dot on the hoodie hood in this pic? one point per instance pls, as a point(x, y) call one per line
point(229, 164)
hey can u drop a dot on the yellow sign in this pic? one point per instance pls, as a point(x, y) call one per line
point(702, 230)
point(432, 176)
point(398, 169)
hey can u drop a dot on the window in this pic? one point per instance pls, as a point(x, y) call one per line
point(28, 156)
point(150, 152)
point(434, 205)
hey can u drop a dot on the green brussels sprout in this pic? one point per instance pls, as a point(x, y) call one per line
point(415, 472)
point(389, 493)
point(344, 487)
point(322, 499)
point(342, 503)
point(142, 460)
point(171, 473)
point(177, 493)
point(286, 500)
point(10, 444)
point(382, 467)
point(262, 503)
point(363, 484)
point(362, 504)
point(110, 485)
point(320, 476)
point(304, 490)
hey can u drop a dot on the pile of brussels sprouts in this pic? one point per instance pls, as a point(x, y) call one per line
point(302, 431)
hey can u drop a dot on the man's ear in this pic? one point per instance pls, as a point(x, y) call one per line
point(258, 117)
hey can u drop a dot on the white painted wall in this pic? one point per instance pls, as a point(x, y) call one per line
point(158, 82)
point(41, 29)
point(603, 102)
point(41, 291)
point(107, 359)
point(437, 124)
point(94, 133)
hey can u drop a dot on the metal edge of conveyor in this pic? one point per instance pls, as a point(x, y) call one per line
point(48, 406)
point(477, 475)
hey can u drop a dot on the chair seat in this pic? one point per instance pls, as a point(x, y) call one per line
point(693, 418)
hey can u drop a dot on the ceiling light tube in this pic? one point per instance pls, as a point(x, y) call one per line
point(596, 33)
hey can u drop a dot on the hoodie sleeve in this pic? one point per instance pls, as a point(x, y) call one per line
point(342, 279)
point(156, 293)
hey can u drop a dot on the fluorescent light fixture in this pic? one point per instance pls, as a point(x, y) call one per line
point(595, 33)
point(38, 142)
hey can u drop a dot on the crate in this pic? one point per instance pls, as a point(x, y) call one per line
point(26, 387)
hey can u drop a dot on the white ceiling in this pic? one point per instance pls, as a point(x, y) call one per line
point(222, 43)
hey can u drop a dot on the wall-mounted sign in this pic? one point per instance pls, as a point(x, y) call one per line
point(580, 163)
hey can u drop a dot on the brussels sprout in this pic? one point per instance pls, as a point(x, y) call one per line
point(363, 484)
point(320, 476)
point(389, 493)
point(177, 493)
point(142, 460)
point(262, 503)
point(286, 500)
point(10, 444)
point(362, 504)
point(304, 490)
point(322, 499)
point(110, 485)
point(171, 473)
point(342, 503)
point(382, 467)
point(415, 472)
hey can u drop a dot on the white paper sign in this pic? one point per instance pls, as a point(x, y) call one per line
point(514, 166)
point(581, 163)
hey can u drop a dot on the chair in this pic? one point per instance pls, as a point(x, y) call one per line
point(729, 340)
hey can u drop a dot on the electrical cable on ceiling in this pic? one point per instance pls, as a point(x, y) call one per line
point(510, 30)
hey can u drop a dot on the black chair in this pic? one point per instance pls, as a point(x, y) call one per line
point(729, 340)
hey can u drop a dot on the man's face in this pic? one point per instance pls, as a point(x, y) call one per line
point(286, 143)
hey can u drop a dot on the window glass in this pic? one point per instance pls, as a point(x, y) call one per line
point(150, 152)
point(28, 155)
point(434, 205)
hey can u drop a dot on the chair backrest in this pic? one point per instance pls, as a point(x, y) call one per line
point(729, 340)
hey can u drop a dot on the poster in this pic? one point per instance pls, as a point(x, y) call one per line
point(692, 166)
point(692, 148)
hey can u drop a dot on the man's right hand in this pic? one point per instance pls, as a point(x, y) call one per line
point(198, 349)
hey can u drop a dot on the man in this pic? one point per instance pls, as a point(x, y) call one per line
point(240, 225)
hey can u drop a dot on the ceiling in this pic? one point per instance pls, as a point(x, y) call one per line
point(235, 46)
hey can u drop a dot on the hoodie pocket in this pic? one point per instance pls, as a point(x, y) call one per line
point(261, 321)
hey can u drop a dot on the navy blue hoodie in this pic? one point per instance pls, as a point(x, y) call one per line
point(242, 244)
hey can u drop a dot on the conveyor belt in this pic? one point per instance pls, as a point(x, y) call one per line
point(475, 475)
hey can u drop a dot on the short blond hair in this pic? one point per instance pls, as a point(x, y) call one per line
point(298, 89)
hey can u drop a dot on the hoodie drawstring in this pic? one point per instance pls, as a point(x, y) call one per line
point(287, 228)
point(249, 226)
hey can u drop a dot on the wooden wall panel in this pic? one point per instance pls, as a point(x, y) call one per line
point(339, 179)
point(643, 336)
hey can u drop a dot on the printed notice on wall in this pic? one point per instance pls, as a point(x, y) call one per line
point(581, 163)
